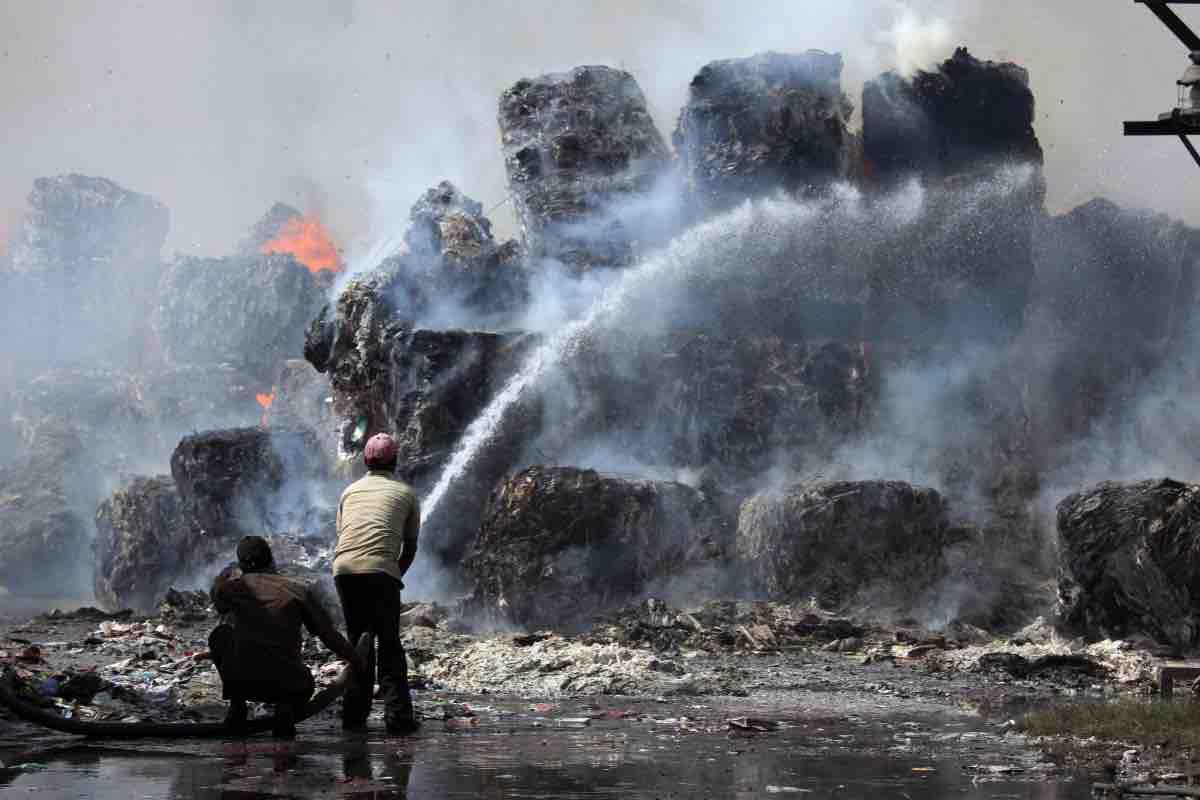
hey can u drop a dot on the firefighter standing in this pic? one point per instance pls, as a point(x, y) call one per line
point(378, 521)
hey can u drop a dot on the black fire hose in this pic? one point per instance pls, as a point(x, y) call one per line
point(31, 712)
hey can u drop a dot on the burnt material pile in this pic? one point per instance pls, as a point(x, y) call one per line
point(560, 545)
point(756, 125)
point(1130, 565)
point(879, 543)
point(248, 311)
point(578, 146)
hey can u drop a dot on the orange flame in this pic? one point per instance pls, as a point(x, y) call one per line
point(305, 239)
point(265, 401)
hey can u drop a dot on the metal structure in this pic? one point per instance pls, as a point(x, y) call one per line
point(1184, 119)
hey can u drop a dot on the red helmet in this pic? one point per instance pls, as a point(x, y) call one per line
point(380, 451)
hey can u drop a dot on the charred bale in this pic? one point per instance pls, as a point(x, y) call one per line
point(143, 541)
point(422, 386)
point(736, 406)
point(878, 543)
point(455, 271)
point(106, 401)
point(302, 399)
point(1115, 292)
point(561, 546)
point(1129, 564)
point(78, 224)
point(348, 338)
point(580, 149)
point(251, 312)
point(961, 115)
point(441, 382)
point(774, 121)
point(233, 482)
point(45, 528)
point(959, 276)
point(966, 129)
point(86, 258)
point(188, 397)
point(428, 387)
point(125, 419)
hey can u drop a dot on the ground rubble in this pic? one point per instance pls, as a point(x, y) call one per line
point(158, 666)
point(739, 669)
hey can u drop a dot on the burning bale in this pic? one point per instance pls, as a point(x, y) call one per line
point(285, 230)
point(143, 539)
point(754, 126)
point(1128, 561)
point(232, 482)
point(251, 312)
point(579, 145)
point(843, 543)
point(268, 229)
point(559, 545)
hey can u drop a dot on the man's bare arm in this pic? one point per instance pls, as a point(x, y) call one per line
point(412, 530)
point(317, 620)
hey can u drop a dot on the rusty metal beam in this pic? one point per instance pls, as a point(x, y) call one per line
point(1162, 10)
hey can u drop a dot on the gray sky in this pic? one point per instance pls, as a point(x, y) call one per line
point(352, 108)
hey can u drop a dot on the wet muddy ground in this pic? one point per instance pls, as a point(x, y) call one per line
point(518, 748)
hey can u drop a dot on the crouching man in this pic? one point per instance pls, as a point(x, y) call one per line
point(258, 655)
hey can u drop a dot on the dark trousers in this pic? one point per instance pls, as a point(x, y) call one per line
point(373, 601)
point(240, 681)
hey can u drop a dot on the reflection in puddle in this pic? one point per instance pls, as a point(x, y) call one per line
point(606, 760)
point(496, 764)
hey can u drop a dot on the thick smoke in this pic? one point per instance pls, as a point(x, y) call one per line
point(351, 109)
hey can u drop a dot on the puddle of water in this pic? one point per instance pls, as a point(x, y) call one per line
point(606, 760)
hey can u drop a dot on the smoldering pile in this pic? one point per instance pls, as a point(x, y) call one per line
point(858, 397)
